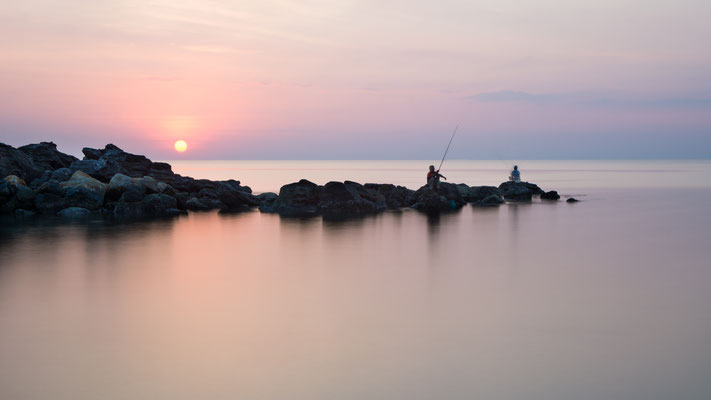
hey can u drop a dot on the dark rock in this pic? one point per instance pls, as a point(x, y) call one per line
point(20, 213)
point(235, 199)
point(552, 195)
point(164, 188)
point(267, 197)
point(347, 198)
point(46, 156)
point(132, 194)
point(207, 193)
point(39, 181)
point(572, 200)
point(18, 163)
point(15, 194)
point(182, 198)
point(74, 212)
point(395, 196)
point(84, 191)
point(157, 205)
point(91, 154)
point(50, 198)
point(491, 200)
point(451, 192)
point(121, 183)
point(516, 191)
point(62, 174)
point(473, 194)
point(194, 204)
point(428, 200)
point(296, 199)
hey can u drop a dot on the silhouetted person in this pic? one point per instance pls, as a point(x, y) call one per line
point(433, 178)
point(515, 175)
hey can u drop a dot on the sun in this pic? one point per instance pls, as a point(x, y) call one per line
point(181, 146)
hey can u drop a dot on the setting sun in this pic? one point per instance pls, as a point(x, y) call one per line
point(181, 146)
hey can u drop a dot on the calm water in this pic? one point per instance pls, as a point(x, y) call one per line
point(604, 299)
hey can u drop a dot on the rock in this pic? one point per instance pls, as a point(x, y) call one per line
point(20, 213)
point(395, 196)
point(348, 198)
point(296, 199)
point(15, 194)
point(473, 194)
point(91, 154)
point(74, 212)
point(552, 195)
point(182, 198)
point(84, 191)
point(149, 183)
point(18, 163)
point(62, 174)
point(194, 204)
point(516, 191)
point(121, 183)
point(267, 197)
point(427, 200)
point(572, 200)
point(164, 188)
point(158, 205)
point(451, 192)
point(39, 181)
point(235, 199)
point(50, 198)
point(491, 200)
point(46, 156)
point(100, 169)
point(132, 194)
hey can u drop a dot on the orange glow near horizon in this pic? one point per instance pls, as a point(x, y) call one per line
point(180, 146)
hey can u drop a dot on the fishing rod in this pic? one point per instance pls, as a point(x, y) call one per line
point(450, 143)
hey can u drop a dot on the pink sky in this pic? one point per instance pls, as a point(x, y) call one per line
point(359, 79)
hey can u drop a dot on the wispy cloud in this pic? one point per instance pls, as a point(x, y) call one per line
point(591, 99)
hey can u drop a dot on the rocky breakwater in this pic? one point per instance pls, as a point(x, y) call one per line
point(108, 182)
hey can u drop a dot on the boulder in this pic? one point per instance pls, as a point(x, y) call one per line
point(164, 188)
point(158, 205)
point(194, 204)
point(427, 200)
point(46, 156)
point(348, 198)
point(50, 198)
point(516, 191)
point(296, 199)
point(15, 194)
point(62, 174)
point(18, 163)
point(149, 183)
point(84, 191)
point(74, 212)
point(552, 195)
point(572, 200)
point(451, 192)
point(491, 200)
point(39, 181)
point(473, 194)
point(235, 199)
point(395, 196)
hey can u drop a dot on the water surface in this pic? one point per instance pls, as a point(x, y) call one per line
point(604, 299)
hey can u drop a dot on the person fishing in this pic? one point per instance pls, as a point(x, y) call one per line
point(433, 178)
point(515, 175)
point(434, 175)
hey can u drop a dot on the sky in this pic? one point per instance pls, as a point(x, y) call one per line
point(312, 79)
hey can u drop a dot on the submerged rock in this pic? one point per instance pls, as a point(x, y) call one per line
point(572, 200)
point(551, 195)
point(491, 200)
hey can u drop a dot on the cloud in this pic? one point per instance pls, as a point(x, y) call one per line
point(592, 99)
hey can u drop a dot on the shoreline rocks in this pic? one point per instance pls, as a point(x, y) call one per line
point(116, 184)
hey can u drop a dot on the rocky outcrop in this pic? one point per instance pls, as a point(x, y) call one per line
point(551, 195)
point(118, 184)
point(519, 191)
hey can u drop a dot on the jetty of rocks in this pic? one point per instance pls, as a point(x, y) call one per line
point(37, 179)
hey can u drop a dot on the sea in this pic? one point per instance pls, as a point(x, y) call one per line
point(606, 298)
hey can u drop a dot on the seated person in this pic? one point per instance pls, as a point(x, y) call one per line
point(515, 175)
point(433, 178)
